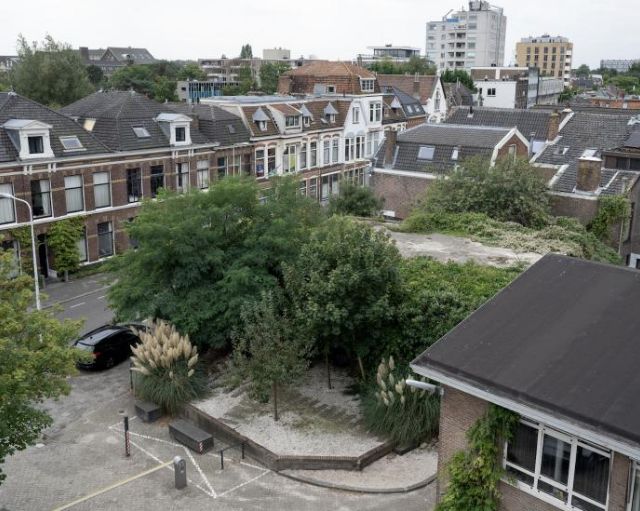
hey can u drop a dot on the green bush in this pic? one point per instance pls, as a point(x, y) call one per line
point(612, 210)
point(394, 410)
point(355, 200)
point(165, 363)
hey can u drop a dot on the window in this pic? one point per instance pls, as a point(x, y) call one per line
point(356, 114)
point(259, 162)
point(182, 177)
point(141, 132)
point(134, 185)
point(359, 147)
point(326, 150)
point(335, 150)
point(426, 152)
point(635, 491)
point(313, 189)
point(313, 154)
point(512, 151)
point(290, 158)
point(181, 134)
point(491, 92)
point(101, 190)
point(303, 156)
point(262, 125)
point(375, 112)
point(222, 167)
point(561, 150)
point(331, 118)
point(202, 175)
point(557, 466)
point(325, 189)
point(455, 153)
point(306, 120)
point(367, 85)
point(36, 145)
point(271, 160)
point(71, 143)
point(7, 211)
point(331, 89)
point(348, 149)
point(41, 197)
point(437, 102)
point(303, 187)
point(105, 239)
point(157, 179)
point(292, 121)
point(73, 193)
point(371, 143)
point(81, 245)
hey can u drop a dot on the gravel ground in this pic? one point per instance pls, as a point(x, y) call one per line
point(392, 471)
point(314, 386)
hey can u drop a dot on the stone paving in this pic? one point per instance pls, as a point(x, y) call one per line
point(83, 452)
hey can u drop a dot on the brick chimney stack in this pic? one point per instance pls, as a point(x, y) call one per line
point(390, 147)
point(589, 174)
point(554, 126)
point(416, 86)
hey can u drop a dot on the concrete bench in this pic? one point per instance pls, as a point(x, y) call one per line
point(191, 436)
point(147, 411)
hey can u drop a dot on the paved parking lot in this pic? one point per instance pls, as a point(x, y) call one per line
point(84, 452)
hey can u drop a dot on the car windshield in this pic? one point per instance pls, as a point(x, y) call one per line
point(86, 347)
point(94, 337)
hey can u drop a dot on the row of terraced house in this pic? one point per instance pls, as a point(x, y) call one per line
point(100, 156)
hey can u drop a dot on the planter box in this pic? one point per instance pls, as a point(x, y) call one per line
point(193, 437)
point(147, 411)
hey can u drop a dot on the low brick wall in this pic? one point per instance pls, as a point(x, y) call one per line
point(400, 193)
point(276, 462)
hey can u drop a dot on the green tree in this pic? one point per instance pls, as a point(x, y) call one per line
point(137, 77)
point(386, 67)
point(50, 73)
point(35, 360)
point(583, 70)
point(343, 286)
point(246, 52)
point(419, 65)
point(164, 89)
point(511, 190)
point(5, 82)
point(192, 71)
point(62, 238)
point(269, 75)
point(630, 84)
point(267, 350)
point(246, 82)
point(355, 200)
point(201, 256)
point(453, 76)
point(95, 74)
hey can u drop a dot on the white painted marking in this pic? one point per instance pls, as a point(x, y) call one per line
point(101, 297)
point(206, 481)
point(77, 305)
point(244, 484)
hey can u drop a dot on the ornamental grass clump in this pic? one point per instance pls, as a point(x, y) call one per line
point(166, 367)
point(401, 413)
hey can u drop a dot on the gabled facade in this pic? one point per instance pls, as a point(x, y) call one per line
point(427, 89)
point(113, 58)
point(326, 77)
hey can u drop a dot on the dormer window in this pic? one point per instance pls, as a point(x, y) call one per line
point(292, 121)
point(331, 118)
point(330, 113)
point(181, 135)
point(306, 120)
point(30, 138)
point(260, 117)
point(176, 127)
point(36, 144)
point(367, 84)
point(262, 125)
point(306, 115)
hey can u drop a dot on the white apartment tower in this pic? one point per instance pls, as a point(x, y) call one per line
point(466, 39)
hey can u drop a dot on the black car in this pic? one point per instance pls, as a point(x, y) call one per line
point(109, 345)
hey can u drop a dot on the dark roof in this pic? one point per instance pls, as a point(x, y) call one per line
point(469, 140)
point(14, 106)
point(527, 121)
point(410, 105)
point(331, 68)
point(585, 130)
point(562, 338)
point(425, 85)
point(138, 55)
point(633, 140)
point(616, 182)
point(216, 124)
point(118, 112)
point(457, 94)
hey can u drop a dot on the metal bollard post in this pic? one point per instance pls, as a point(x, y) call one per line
point(180, 469)
point(131, 375)
point(242, 450)
point(222, 459)
point(127, 445)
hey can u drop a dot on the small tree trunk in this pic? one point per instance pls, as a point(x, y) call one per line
point(361, 367)
point(66, 275)
point(275, 400)
point(326, 359)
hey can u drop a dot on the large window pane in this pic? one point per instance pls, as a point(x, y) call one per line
point(82, 246)
point(635, 500)
point(41, 197)
point(7, 212)
point(556, 455)
point(523, 446)
point(105, 239)
point(591, 474)
point(101, 189)
point(73, 193)
point(134, 185)
point(157, 179)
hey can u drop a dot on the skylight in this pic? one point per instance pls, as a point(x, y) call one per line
point(231, 128)
point(426, 152)
point(141, 132)
point(71, 143)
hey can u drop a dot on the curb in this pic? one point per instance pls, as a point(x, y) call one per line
point(355, 489)
point(82, 295)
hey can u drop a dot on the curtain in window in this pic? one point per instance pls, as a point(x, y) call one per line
point(7, 214)
point(591, 474)
point(73, 193)
point(522, 448)
point(101, 190)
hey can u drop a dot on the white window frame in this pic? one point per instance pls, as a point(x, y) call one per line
point(68, 189)
point(326, 151)
point(290, 158)
point(368, 84)
point(261, 159)
point(10, 201)
point(183, 176)
point(355, 117)
point(349, 149)
point(304, 156)
point(292, 121)
point(335, 149)
point(202, 174)
point(313, 154)
point(375, 112)
point(635, 479)
point(574, 442)
point(107, 184)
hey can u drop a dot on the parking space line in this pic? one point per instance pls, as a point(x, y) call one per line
point(206, 481)
point(77, 305)
point(244, 484)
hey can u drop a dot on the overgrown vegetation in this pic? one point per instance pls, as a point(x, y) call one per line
point(166, 367)
point(474, 474)
point(355, 200)
point(612, 211)
point(402, 414)
point(415, 65)
point(62, 239)
point(458, 75)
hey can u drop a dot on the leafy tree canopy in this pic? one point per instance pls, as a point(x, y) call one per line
point(269, 74)
point(583, 70)
point(453, 76)
point(95, 74)
point(192, 71)
point(355, 200)
point(50, 72)
point(246, 52)
point(201, 256)
point(415, 65)
point(35, 359)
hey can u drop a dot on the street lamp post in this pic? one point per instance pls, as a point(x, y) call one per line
point(33, 246)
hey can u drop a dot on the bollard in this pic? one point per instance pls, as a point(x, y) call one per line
point(180, 469)
point(127, 445)
point(131, 375)
point(222, 459)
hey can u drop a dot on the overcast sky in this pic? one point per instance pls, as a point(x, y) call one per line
point(333, 29)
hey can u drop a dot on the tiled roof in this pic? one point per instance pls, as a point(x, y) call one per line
point(527, 121)
point(139, 55)
point(457, 94)
point(392, 115)
point(285, 109)
point(411, 106)
point(454, 135)
point(426, 85)
point(216, 124)
point(331, 68)
point(13, 106)
point(118, 112)
point(272, 127)
point(318, 120)
point(585, 130)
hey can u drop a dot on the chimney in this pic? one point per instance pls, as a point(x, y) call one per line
point(416, 86)
point(565, 113)
point(195, 120)
point(390, 147)
point(589, 174)
point(84, 53)
point(554, 126)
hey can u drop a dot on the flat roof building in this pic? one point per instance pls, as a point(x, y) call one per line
point(551, 54)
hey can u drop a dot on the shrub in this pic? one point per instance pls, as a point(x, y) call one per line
point(355, 200)
point(403, 414)
point(612, 211)
point(166, 365)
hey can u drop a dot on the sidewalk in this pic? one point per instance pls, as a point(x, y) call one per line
point(61, 292)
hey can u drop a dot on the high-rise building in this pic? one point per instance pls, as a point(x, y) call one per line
point(551, 55)
point(466, 39)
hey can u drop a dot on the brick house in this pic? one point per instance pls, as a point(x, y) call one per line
point(328, 77)
point(427, 89)
point(558, 347)
point(99, 157)
point(408, 162)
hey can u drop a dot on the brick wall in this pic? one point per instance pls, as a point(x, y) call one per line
point(582, 209)
point(400, 193)
point(521, 148)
